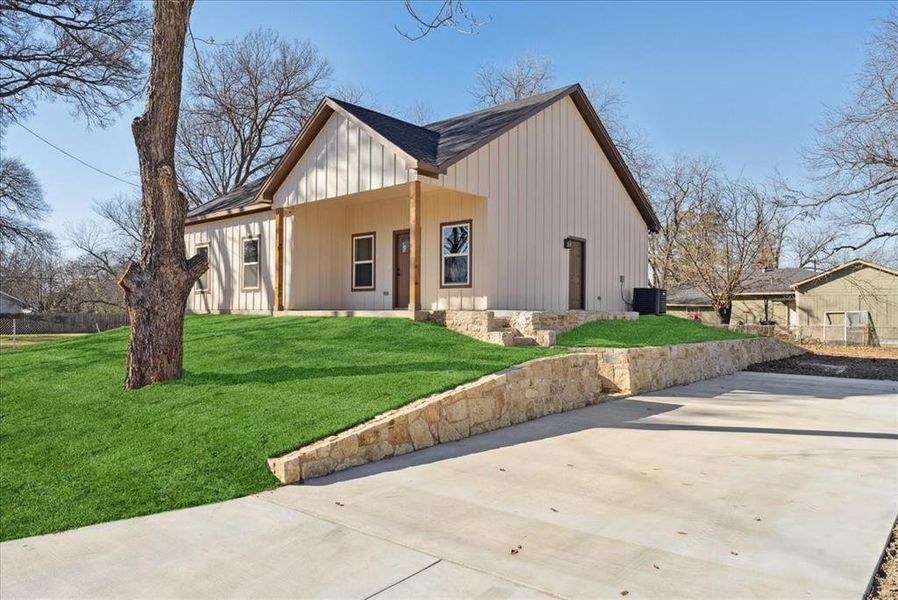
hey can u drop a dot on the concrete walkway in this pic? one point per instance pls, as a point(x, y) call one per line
point(752, 485)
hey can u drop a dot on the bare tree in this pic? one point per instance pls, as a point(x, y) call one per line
point(245, 102)
point(676, 190)
point(352, 93)
point(451, 15)
point(419, 113)
point(87, 52)
point(855, 159)
point(22, 205)
point(108, 245)
point(722, 238)
point(632, 143)
point(34, 274)
point(526, 76)
point(156, 286)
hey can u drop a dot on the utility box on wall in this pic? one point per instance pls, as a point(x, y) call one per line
point(650, 301)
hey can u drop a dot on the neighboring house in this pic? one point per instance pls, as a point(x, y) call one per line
point(856, 302)
point(766, 297)
point(11, 305)
point(527, 205)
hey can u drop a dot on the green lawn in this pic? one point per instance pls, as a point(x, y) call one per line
point(648, 330)
point(76, 449)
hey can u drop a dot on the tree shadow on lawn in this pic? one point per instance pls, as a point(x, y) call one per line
point(287, 373)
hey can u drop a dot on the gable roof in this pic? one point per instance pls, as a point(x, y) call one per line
point(239, 200)
point(848, 265)
point(433, 148)
point(14, 300)
point(773, 282)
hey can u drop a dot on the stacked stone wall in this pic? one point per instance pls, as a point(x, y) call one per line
point(528, 391)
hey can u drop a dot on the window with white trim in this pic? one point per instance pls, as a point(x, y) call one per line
point(363, 262)
point(455, 254)
point(251, 263)
point(202, 284)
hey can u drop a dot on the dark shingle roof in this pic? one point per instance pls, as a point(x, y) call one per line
point(460, 134)
point(441, 142)
point(240, 197)
point(419, 142)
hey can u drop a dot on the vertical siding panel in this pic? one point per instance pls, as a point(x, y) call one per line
point(342, 143)
point(534, 241)
point(352, 159)
point(364, 161)
point(558, 201)
point(377, 165)
point(508, 161)
point(498, 187)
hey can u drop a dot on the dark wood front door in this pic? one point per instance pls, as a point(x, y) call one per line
point(577, 274)
point(401, 246)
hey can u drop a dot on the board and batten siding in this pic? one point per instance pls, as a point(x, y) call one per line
point(319, 262)
point(547, 179)
point(225, 240)
point(342, 159)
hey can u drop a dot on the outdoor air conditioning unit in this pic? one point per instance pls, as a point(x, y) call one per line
point(650, 301)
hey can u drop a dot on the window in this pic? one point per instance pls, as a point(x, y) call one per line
point(202, 284)
point(455, 254)
point(363, 262)
point(250, 263)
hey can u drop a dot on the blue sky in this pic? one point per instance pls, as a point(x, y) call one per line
point(745, 83)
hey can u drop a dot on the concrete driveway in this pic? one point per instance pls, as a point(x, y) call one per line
point(751, 485)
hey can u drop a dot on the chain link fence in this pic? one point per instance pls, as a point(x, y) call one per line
point(37, 323)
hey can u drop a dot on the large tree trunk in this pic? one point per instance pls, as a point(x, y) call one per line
point(724, 312)
point(157, 286)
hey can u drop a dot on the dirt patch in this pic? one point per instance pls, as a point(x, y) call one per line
point(885, 581)
point(860, 362)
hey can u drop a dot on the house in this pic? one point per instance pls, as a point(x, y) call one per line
point(9, 304)
point(766, 296)
point(526, 205)
point(856, 302)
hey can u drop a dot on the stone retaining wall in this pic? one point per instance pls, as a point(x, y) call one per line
point(514, 395)
point(529, 322)
point(521, 393)
point(638, 370)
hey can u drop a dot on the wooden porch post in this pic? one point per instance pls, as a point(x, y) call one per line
point(279, 259)
point(414, 280)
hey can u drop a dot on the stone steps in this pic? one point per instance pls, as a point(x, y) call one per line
point(501, 332)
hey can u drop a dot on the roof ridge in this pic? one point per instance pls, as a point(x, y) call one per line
point(522, 101)
point(383, 114)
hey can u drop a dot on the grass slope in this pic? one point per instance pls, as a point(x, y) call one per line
point(648, 330)
point(76, 449)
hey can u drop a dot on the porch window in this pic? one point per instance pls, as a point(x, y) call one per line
point(363, 262)
point(251, 263)
point(202, 284)
point(455, 257)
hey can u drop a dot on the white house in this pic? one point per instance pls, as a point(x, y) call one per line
point(526, 206)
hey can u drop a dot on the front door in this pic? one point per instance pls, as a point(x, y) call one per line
point(401, 245)
point(577, 274)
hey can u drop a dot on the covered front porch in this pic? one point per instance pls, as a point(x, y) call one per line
point(385, 252)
